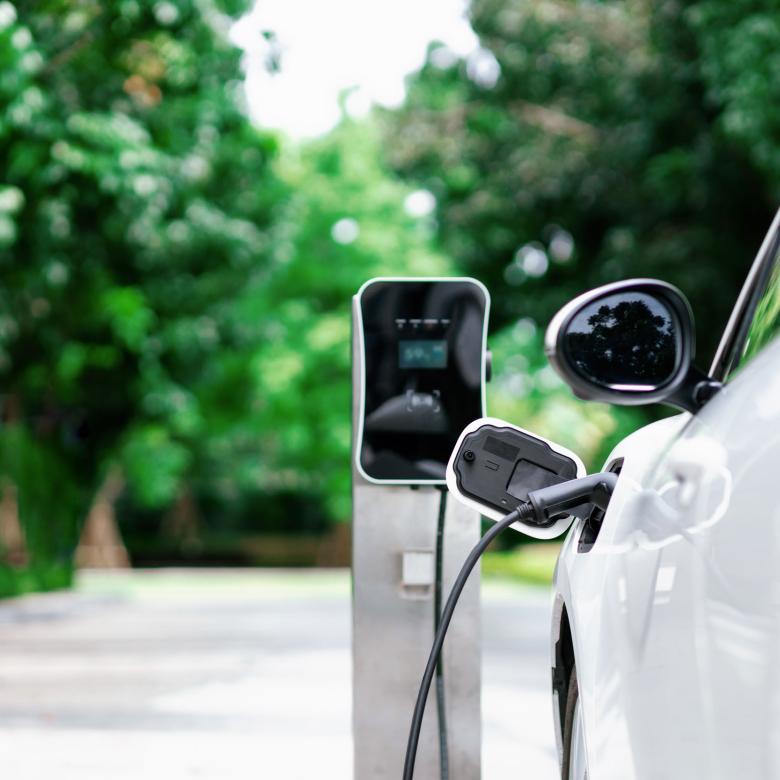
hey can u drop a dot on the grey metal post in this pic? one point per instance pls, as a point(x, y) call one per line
point(393, 544)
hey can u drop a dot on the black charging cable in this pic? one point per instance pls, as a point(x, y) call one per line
point(524, 511)
point(575, 497)
point(441, 710)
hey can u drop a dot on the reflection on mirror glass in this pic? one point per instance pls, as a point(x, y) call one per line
point(628, 339)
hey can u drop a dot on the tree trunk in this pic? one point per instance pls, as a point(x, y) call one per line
point(101, 546)
point(182, 523)
point(12, 543)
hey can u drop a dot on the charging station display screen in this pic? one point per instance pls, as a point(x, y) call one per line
point(422, 353)
point(423, 374)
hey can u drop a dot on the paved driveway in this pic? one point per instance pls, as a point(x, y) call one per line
point(226, 675)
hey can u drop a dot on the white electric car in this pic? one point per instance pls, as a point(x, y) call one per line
point(666, 619)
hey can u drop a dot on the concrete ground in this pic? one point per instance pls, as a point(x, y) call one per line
point(226, 675)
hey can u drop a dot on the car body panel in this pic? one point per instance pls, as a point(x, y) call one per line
point(587, 574)
point(674, 611)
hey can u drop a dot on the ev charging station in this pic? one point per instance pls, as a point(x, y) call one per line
point(420, 364)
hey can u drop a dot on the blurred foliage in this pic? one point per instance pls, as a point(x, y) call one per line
point(533, 564)
point(135, 205)
point(175, 293)
point(587, 142)
point(51, 506)
point(175, 284)
point(344, 224)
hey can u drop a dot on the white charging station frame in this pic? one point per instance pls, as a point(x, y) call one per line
point(558, 528)
point(361, 339)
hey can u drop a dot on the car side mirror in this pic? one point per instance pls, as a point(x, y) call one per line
point(629, 343)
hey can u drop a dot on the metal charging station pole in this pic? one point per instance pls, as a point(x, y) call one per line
point(393, 553)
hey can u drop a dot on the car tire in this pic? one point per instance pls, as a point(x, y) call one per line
point(574, 765)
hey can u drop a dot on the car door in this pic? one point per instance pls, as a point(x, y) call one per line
point(702, 692)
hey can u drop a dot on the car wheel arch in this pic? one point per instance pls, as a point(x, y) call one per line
point(563, 663)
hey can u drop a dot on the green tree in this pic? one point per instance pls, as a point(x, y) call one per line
point(587, 142)
point(136, 204)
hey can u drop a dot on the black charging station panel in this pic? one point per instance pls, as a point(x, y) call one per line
point(424, 374)
point(500, 466)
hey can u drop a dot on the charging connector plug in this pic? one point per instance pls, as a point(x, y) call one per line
point(575, 497)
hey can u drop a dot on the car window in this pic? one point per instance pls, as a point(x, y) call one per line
point(766, 320)
point(756, 316)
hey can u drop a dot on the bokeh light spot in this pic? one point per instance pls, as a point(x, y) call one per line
point(345, 231)
point(419, 203)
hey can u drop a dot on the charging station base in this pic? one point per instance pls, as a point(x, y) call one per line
point(394, 541)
